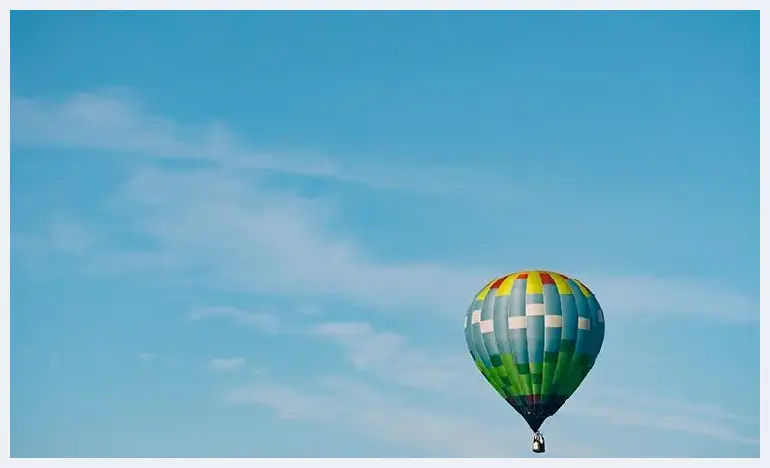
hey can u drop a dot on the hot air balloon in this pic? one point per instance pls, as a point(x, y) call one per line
point(535, 335)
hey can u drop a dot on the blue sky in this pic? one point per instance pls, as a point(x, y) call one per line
point(257, 234)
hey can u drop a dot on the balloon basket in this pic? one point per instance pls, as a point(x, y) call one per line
point(538, 443)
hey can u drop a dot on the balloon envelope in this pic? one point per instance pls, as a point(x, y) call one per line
point(535, 335)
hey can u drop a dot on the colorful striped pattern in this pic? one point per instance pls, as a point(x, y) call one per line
point(535, 335)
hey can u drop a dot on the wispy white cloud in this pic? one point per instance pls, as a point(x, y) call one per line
point(71, 237)
point(378, 416)
point(115, 120)
point(388, 356)
point(146, 356)
point(382, 354)
point(613, 404)
point(63, 236)
point(364, 344)
point(259, 239)
point(109, 120)
point(616, 394)
point(308, 310)
point(241, 235)
point(647, 296)
point(226, 364)
point(260, 320)
point(670, 419)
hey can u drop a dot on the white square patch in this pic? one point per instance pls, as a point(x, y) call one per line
point(476, 316)
point(517, 323)
point(553, 321)
point(535, 310)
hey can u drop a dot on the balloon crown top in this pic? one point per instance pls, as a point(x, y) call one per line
point(535, 280)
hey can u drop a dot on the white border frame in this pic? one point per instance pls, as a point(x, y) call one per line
point(361, 5)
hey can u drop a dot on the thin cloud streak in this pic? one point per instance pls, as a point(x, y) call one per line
point(387, 357)
point(226, 364)
point(259, 320)
point(655, 418)
point(371, 413)
point(262, 240)
point(115, 120)
point(265, 241)
point(146, 356)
